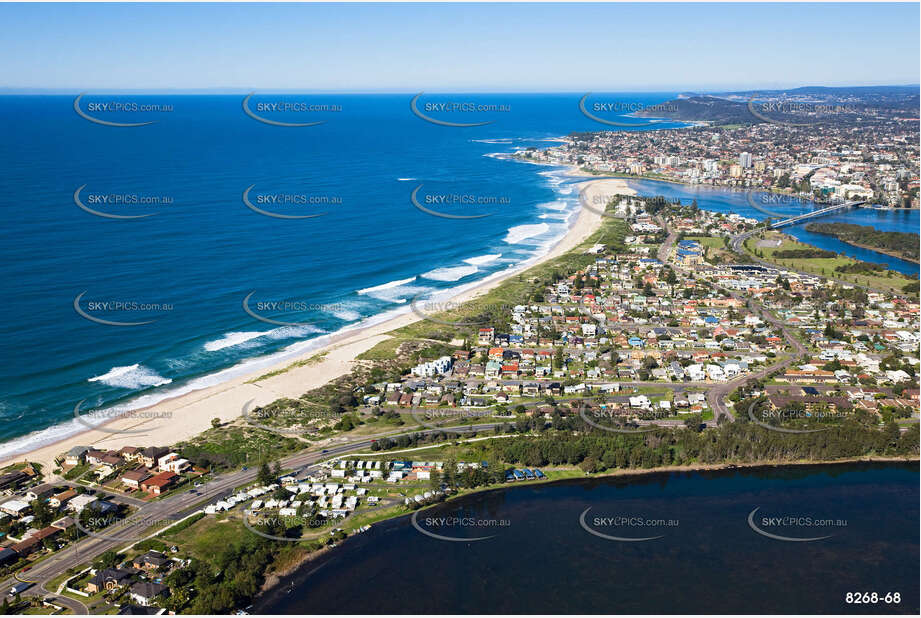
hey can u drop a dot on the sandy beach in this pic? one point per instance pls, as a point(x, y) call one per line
point(187, 415)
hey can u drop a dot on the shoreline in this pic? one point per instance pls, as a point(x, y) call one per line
point(600, 174)
point(887, 252)
point(275, 579)
point(576, 171)
point(188, 414)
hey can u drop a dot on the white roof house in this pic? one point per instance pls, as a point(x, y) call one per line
point(78, 503)
point(15, 507)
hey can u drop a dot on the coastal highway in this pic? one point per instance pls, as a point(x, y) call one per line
point(180, 505)
point(171, 509)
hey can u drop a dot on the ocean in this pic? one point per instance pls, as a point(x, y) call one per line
point(147, 261)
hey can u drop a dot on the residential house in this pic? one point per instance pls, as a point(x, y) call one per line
point(59, 500)
point(40, 492)
point(160, 483)
point(78, 503)
point(151, 455)
point(15, 508)
point(145, 593)
point(108, 579)
point(150, 561)
point(134, 478)
point(76, 455)
point(171, 462)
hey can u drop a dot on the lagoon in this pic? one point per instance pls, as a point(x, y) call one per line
point(708, 558)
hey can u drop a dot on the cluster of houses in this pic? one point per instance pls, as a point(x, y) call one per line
point(153, 470)
point(239, 498)
point(839, 163)
point(627, 317)
point(838, 398)
point(331, 499)
point(366, 471)
point(140, 577)
point(871, 331)
point(23, 535)
point(622, 318)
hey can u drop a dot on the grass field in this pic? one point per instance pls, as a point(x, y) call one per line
point(203, 536)
point(709, 241)
point(888, 280)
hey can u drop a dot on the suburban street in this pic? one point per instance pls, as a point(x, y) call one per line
point(173, 508)
point(180, 505)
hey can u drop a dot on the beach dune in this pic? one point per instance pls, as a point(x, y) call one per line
point(187, 415)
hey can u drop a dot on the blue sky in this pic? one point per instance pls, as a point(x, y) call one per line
point(456, 47)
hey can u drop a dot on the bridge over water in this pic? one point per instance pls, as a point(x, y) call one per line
point(815, 213)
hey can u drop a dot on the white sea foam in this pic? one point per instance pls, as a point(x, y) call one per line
point(385, 286)
point(518, 260)
point(347, 315)
point(232, 339)
point(348, 311)
point(395, 291)
point(405, 179)
point(554, 177)
point(131, 376)
point(246, 339)
point(292, 331)
point(483, 259)
point(450, 273)
point(523, 232)
point(40, 438)
point(557, 216)
point(557, 205)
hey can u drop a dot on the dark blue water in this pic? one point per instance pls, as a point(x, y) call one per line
point(722, 200)
point(187, 269)
point(711, 562)
point(192, 264)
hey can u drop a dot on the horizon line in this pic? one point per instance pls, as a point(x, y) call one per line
point(237, 90)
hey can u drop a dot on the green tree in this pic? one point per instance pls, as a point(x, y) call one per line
point(558, 358)
point(265, 474)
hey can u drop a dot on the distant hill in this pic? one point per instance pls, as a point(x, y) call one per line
point(733, 107)
point(901, 97)
point(704, 108)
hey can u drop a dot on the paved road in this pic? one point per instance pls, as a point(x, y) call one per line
point(176, 507)
point(182, 504)
point(666, 247)
point(736, 244)
point(716, 396)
